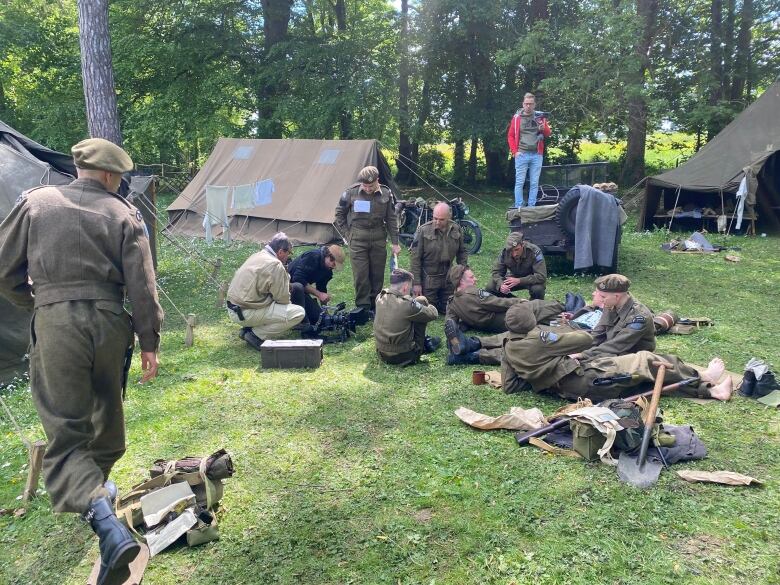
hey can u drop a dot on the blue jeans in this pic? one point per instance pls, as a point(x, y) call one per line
point(531, 162)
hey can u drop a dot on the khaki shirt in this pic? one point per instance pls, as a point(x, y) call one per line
point(80, 242)
point(627, 330)
point(395, 318)
point(260, 281)
point(541, 357)
point(530, 267)
point(480, 309)
point(357, 211)
point(433, 251)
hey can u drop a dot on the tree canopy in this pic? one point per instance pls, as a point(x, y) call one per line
point(412, 73)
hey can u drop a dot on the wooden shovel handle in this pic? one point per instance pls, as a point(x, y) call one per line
point(659, 383)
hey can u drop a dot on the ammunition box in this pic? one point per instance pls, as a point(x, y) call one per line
point(291, 353)
point(586, 440)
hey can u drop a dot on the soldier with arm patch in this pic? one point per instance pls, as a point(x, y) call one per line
point(83, 247)
point(400, 322)
point(626, 325)
point(520, 265)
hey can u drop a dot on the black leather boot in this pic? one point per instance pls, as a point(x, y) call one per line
point(466, 358)
point(249, 336)
point(765, 385)
point(431, 344)
point(748, 385)
point(457, 342)
point(117, 546)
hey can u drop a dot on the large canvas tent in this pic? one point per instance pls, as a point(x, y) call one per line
point(748, 147)
point(297, 184)
point(23, 164)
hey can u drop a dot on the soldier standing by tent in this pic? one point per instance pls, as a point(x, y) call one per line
point(82, 245)
point(365, 217)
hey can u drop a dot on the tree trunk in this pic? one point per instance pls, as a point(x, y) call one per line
point(494, 164)
point(404, 140)
point(716, 65)
point(634, 167)
point(742, 60)
point(97, 72)
point(472, 176)
point(459, 163)
point(276, 20)
point(340, 8)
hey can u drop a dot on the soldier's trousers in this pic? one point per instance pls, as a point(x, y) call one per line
point(535, 291)
point(640, 364)
point(437, 290)
point(368, 257)
point(78, 350)
point(492, 349)
point(271, 321)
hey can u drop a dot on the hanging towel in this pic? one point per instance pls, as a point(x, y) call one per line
point(216, 210)
point(244, 196)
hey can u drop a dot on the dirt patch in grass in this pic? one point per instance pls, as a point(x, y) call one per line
point(424, 515)
point(702, 548)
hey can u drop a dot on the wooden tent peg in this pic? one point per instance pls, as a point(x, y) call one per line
point(217, 266)
point(189, 337)
point(222, 294)
point(35, 451)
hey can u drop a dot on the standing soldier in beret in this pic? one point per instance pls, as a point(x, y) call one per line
point(365, 217)
point(520, 265)
point(626, 325)
point(436, 245)
point(400, 322)
point(71, 253)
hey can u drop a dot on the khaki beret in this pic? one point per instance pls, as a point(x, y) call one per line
point(101, 155)
point(338, 255)
point(455, 274)
point(612, 283)
point(368, 174)
point(520, 318)
point(514, 240)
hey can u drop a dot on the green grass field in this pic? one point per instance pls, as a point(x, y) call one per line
point(358, 472)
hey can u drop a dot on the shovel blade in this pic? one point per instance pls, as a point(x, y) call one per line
point(641, 476)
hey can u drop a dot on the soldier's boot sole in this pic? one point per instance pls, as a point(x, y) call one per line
point(456, 340)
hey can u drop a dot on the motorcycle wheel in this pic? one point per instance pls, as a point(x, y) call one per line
point(472, 235)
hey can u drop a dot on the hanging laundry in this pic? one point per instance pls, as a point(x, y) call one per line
point(216, 211)
point(244, 196)
point(263, 191)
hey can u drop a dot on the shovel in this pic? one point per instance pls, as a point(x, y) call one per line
point(638, 471)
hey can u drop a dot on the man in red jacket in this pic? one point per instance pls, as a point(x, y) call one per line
point(527, 131)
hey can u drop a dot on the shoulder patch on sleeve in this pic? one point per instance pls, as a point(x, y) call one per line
point(483, 294)
point(539, 258)
point(417, 305)
point(548, 337)
point(638, 319)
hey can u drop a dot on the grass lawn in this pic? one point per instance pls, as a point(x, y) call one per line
point(358, 472)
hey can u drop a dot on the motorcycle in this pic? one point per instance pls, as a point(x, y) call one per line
point(412, 213)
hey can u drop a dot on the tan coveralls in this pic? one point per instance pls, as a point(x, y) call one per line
point(81, 247)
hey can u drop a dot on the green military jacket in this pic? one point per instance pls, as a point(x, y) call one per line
point(480, 309)
point(80, 242)
point(530, 267)
point(626, 330)
point(433, 252)
point(359, 211)
point(541, 357)
point(394, 321)
point(260, 281)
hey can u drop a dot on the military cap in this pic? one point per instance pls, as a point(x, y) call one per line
point(101, 155)
point(338, 255)
point(399, 275)
point(520, 318)
point(368, 174)
point(612, 283)
point(456, 273)
point(514, 239)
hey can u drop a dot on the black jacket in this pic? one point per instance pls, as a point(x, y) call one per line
point(309, 268)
